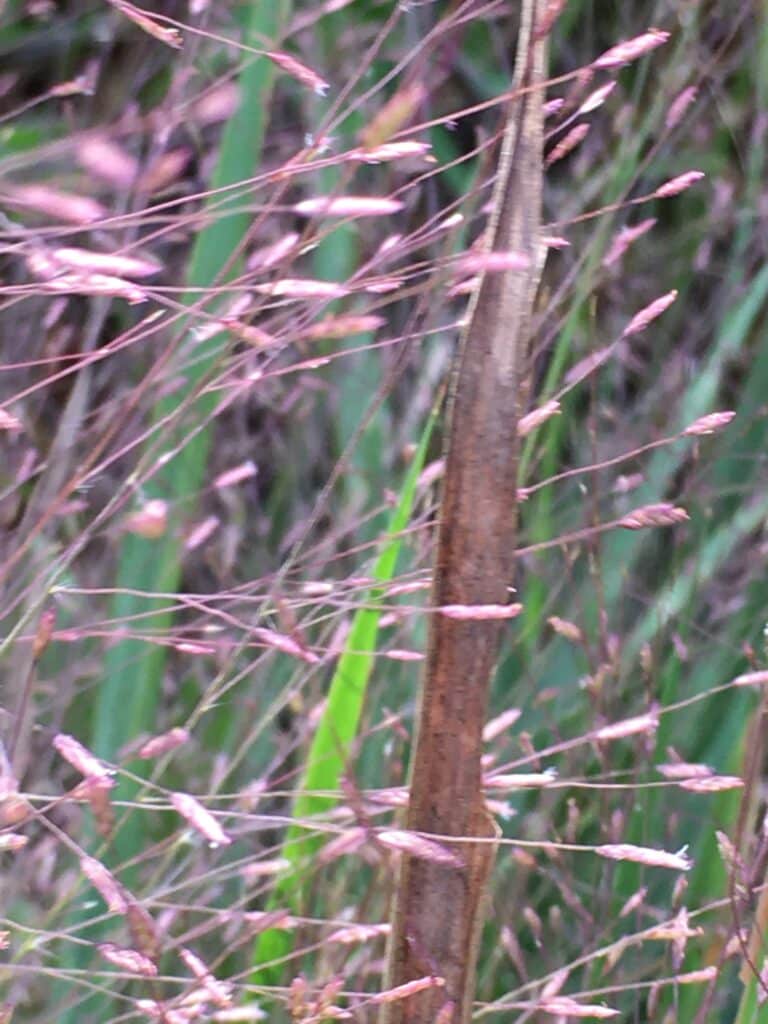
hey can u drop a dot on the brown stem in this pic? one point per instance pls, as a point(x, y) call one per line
point(439, 908)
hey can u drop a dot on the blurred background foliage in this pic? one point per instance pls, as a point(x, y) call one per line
point(235, 636)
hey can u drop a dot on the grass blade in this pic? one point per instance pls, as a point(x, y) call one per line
point(328, 753)
point(129, 694)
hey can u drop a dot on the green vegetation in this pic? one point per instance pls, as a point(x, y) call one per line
point(220, 477)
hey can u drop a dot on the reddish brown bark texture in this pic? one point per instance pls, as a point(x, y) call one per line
point(439, 908)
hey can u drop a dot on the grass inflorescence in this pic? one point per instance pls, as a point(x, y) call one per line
point(237, 245)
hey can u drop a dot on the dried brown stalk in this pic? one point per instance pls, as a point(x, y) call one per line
point(438, 906)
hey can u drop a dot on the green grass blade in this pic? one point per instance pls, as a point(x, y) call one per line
point(129, 695)
point(330, 747)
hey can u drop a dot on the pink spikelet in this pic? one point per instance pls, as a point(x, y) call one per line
point(416, 846)
point(632, 49)
point(480, 611)
point(200, 819)
point(661, 514)
point(347, 206)
point(410, 988)
point(679, 106)
point(162, 744)
point(712, 423)
point(597, 98)
point(569, 142)
point(681, 183)
point(564, 1008)
point(170, 36)
point(648, 314)
point(645, 855)
point(625, 238)
point(105, 883)
point(129, 960)
point(80, 758)
point(299, 71)
point(536, 417)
